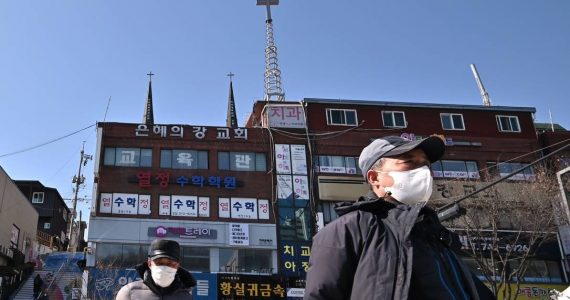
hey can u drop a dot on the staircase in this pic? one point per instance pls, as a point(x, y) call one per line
point(60, 269)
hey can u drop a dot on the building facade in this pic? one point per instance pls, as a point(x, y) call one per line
point(52, 210)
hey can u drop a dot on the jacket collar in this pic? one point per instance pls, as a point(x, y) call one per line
point(183, 280)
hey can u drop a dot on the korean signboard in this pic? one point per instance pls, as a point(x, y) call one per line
point(295, 258)
point(183, 232)
point(197, 132)
point(242, 287)
point(239, 234)
point(125, 204)
point(298, 160)
point(282, 159)
point(243, 208)
point(146, 179)
point(284, 116)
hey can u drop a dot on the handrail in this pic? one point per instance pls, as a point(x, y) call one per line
point(65, 264)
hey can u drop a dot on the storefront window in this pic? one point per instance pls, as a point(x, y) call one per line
point(109, 255)
point(245, 260)
point(196, 259)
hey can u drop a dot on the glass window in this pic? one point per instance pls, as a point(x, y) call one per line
point(254, 261)
point(127, 157)
point(395, 119)
point(437, 169)
point(337, 164)
point(228, 260)
point(166, 158)
point(294, 220)
point(260, 162)
point(341, 117)
point(472, 169)
point(452, 121)
point(508, 123)
point(196, 259)
point(146, 157)
point(131, 256)
point(108, 255)
point(38, 197)
point(329, 214)
point(184, 159)
point(454, 169)
point(109, 157)
point(223, 160)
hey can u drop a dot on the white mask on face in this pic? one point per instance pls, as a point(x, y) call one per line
point(163, 276)
point(411, 187)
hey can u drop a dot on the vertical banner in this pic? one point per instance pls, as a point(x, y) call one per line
point(224, 207)
point(301, 187)
point(239, 234)
point(244, 208)
point(204, 207)
point(105, 203)
point(144, 204)
point(206, 286)
point(184, 206)
point(282, 159)
point(295, 258)
point(263, 209)
point(298, 160)
point(284, 187)
point(164, 205)
point(125, 204)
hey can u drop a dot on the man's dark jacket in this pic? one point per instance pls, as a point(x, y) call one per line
point(146, 289)
point(368, 253)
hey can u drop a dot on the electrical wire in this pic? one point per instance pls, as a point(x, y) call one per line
point(46, 143)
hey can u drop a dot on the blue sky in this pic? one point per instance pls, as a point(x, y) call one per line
point(62, 60)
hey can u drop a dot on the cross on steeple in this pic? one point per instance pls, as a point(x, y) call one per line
point(230, 75)
point(150, 74)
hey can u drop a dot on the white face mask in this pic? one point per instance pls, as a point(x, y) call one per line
point(163, 276)
point(411, 187)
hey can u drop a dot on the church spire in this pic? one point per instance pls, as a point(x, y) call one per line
point(231, 119)
point(148, 117)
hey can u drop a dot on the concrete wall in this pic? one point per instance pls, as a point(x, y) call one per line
point(15, 209)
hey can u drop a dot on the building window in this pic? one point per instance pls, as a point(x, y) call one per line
point(394, 119)
point(506, 168)
point(242, 161)
point(196, 259)
point(47, 225)
point(508, 124)
point(337, 164)
point(120, 255)
point(345, 117)
point(455, 169)
point(452, 121)
point(184, 159)
point(294, 220)
point(329, 213)
point(38, 197)
point(127, 157)
point(245, 260)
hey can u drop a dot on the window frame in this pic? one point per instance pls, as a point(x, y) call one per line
point(170, 163)
point(450, 115)
point(392, 112)
point(509, 118)
point(344, 111)
point(34, 199)
point(256, 157)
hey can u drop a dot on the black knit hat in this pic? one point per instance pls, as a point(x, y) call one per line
point(164, 248)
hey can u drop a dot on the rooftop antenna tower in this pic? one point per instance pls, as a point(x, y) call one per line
point(273, 90)
point(484, 94)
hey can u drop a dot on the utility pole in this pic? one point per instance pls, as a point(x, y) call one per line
point(78, 179)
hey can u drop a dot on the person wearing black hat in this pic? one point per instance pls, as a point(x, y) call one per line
point(162, 276)
point(388, 244)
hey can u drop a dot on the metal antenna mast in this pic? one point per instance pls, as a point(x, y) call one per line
point(273, 90)
point(484, 94)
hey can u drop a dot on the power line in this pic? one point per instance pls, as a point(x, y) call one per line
point(46, 143)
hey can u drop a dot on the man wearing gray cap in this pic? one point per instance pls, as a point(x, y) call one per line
point(162, 276)
point(388, 244)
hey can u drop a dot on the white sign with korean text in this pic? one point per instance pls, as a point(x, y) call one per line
point(183, 206)
point(239, 234)
point(244, 208)
point(282, 159)
point(125, 204)
point(164, 205)
point(301, 187)
point(144, 204)
point(204, 207)
point(263, 209)
point(284, 186)
point(224, 207)
point(285, 116)
point(298, 159)
point(106, 203)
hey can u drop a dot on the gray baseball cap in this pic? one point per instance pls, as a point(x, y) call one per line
point(433, 146)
